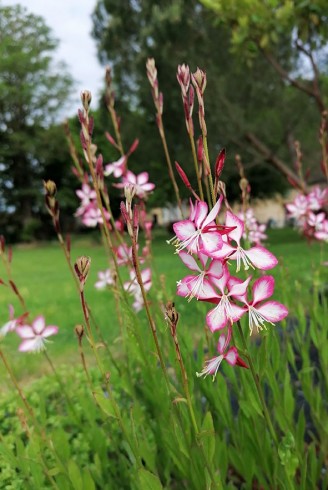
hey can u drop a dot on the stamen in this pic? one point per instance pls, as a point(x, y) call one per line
point(256, 319)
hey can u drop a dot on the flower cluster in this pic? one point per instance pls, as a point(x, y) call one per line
point(254, 231)
point(34, 335)
point(208, 250)
point(307, 210)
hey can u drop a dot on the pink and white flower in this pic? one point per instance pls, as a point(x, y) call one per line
point(231, 356)
point(259, 312)
point(199, 233)
point(257, 256)
point(139, 182)
point(194, 285)
point(117, 168)
point(226, 310)
point(92, 216)
point(105, 279)
point(11, 324)
point(134, 289)
point(36, 335)
point(86, 194)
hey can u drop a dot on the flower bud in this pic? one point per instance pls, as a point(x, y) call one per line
point(81, 267)
point(86, 99)
point(79, 330)
point(50, 188)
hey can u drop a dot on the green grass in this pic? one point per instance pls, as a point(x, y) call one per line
point(42, 276)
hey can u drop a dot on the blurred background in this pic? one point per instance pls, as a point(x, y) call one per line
point(266, 65)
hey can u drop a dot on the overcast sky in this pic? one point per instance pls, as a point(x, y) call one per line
point(70, 21)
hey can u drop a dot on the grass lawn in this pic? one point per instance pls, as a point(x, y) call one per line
point(41, 274)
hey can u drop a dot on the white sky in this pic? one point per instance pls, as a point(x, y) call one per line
point(70, 21)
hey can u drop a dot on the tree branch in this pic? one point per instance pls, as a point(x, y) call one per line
point(311, 92)
point(274, 160)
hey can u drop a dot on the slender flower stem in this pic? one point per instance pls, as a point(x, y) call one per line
point(151, 322)
point(15, 383)
point(194, 156)
point(210, 179)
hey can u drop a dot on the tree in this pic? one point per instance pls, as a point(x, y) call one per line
point(237, 94)
point(291, 36)
point(32, 93)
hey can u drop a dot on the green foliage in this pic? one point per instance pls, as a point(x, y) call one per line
point(33, 91)
point(238, 97)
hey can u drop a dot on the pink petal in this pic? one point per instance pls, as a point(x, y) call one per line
point(272, 311)
point(200, 214)
point(25, 331)
point(184, 229)
point(182, 287)
point(216, 319)
point(213, 213)
point(221, 343)
point(232, 282)
point(261, 258)
point(142, 178)
point(233, 220)
point(212, 242)
point(236, 312)
point(215, 269)
point(189, 261)
point(225, 251)
point(50, 330)
point(38, 324)
point(262, 288)
point(148, 187)
point(239, 289)
point(130, 177)
point(29, 345)
point(231, 356)
point(207, 291)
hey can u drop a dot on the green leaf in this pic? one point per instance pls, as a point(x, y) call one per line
point(148, 481)
point(104, 403)
point(88, 483)
point(74, 475)
point(207, 436)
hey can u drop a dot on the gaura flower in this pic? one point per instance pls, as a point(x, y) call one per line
point(36, 335)
point(11, 324)
point(116, 168)
point(193, 285)
point(231, 356)
point(105, 278)
point(257, 256)
point(86, 194)
point(139, 182)
point(226, 310)
point(199, 233)
point(258, 312)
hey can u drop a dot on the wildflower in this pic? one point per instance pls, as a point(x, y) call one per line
point(92, 216)
point(257, 256)
point(192, 286)
point(117, 168)
point(140, 182)
point(36, 335)
point(11, 324)
point(231, 356)
point(105, 278)
point(86, 194)
point(199, 233)
point(133, 287)
point(258, 312)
